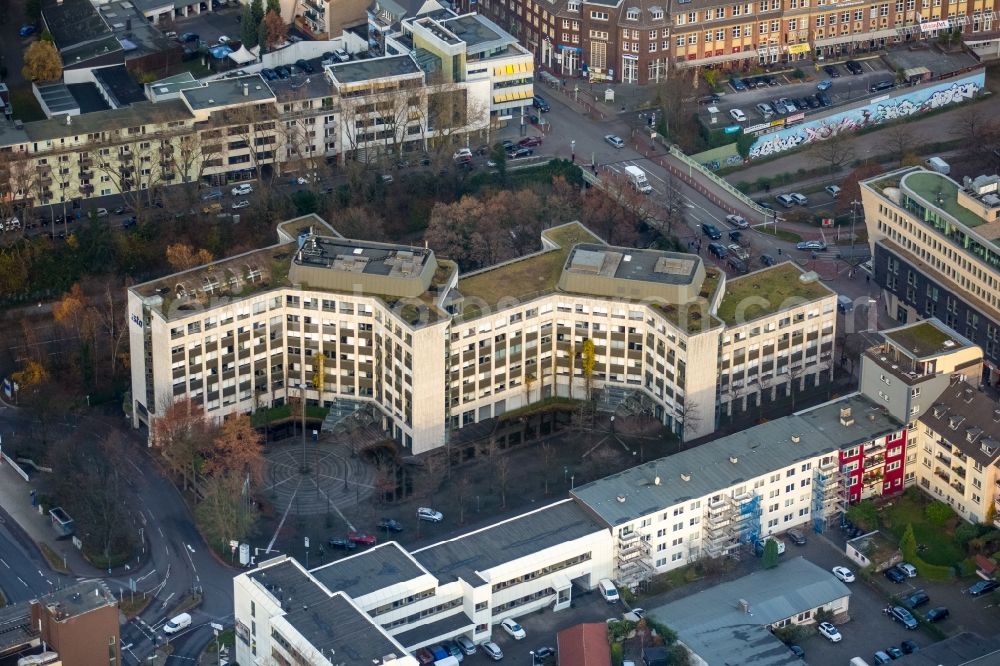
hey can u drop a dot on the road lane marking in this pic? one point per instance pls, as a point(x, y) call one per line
point(4, 563)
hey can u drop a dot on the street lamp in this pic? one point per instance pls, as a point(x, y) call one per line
point(572, 151)
point(304, 468)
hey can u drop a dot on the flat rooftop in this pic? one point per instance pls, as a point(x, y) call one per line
point(465, 556)
point(15, 626)
point(302, 86)
point(355, 256)
point(937, 191)
point(939, 63)
point(732, 460)
point(73, 22)
point(925, 338)
point(120, 84)
point(714, 626)
point(143, 113)
point(478, 32)
point(80, 598)
point(449, 626)
point(767, 291)
point(336, 626)
point(629, 264)
point(229, 92)
point(964, 649)
point(373, 68)
point(368, 571)
point(288, 582)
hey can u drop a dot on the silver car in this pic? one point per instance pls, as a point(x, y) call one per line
point(492, 650)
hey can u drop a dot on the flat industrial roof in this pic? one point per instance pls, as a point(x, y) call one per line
point(368, 571)
point(928, 337)
point(120, 84)
point(451, 625)
point(465, 556)
point(358, 256)
point(632, 264)
point(709, 468)
point(712, 624)
point(335, 626)
point(373, 68)
point(73, 22)
point(479, 33)
point(228, 92)
point(937, 191)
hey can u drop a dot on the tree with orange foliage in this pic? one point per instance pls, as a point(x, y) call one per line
point(182, 256)
point(183, 437)
point(237, 450)
point(273, 30)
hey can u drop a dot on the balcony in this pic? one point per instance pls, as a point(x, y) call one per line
point(87, 189)
point(943, 459)
point(958, 486)
point(942, 474)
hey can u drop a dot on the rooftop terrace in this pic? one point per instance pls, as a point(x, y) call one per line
point(767, 291)
point(373, 68)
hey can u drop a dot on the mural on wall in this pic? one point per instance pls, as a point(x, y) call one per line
point(881, 109)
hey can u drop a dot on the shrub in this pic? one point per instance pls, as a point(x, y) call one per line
point(794, 633)
point(798, 74)
point(617, 654)
point(938, 513)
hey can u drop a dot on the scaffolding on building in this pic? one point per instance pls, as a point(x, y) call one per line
point(633, 566)
point(731, 522)
point(829, 494)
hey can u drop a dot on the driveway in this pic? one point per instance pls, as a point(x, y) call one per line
point(211, 25)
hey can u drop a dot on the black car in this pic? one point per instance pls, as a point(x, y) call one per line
point(735, 235)
point(390, 525)
point(918, 598)
point(937, 614)
point(803, 103)
point(269, 74)
point(190, 37)
point(882, 85)
point(824, 99)
point(796, 537)
point(118, 210)
point(711, 231)
point(709, 99)
point(895, 574)
point(519, 153)
point(767, 260)
point(282, 71)
point(894, 652)
point(832, 71)
point(813, 102)
point(854, 67)
point(341, 542)
point(305, 66)
point(750, 83)
point(982, 587)
point(129, 223)
point(770, 80)
point(507, 144)
point(909, 647)
point(718, 249)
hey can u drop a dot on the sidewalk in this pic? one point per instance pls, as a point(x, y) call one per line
point(15, 502)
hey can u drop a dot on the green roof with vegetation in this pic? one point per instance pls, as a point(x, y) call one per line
point(922, 339)
point(526, 277)
point(695, 316)
point(766, 291)
point(939, 191)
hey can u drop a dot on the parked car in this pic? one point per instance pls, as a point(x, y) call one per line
point(825, 84)
point(130, 222)
point(711, 231)
point(824, 99)
point(390, 525)
point(243, 203)
point(796, 537)
point(854, 67)
point(800, 199)
point(530, 141)
point(982, 587)
point(832, 71)
point(361, 538)
point(341, 55)
point(439, 652)
point(518, 153)
point(908, 569)
point(242, 189)
point(515, 630)
point(709, 99)
point(741, 254)
point(341, 542)
point(767, 260)
point(904, 617)
point(882, 85)
point(282, 71)
point(844, 574)
point(101, 212)
point(813, 245)
point(718, 249)
point(454, 650)
point(765, 110)
point(119, 210)
point(464, 642)
point(797, 651)
point(539, 103)
point(785, 200)
point(829, 632)
point(832, 190)
point(895, 574)
point(492, 650)
point(430, 515)
point(26, 30)
point(736, 235)
point(614, 140)
point(738, 84)
point(813, 102)
point(738, 115)
point(188, 37)
point(881, 657)
point(894, 652)
point(543, 653)
point(305, 66)
point(461, 154)
point(738, 221)
point(909, 647)
point(918, 598)
point(424, 656)
point(937, 614)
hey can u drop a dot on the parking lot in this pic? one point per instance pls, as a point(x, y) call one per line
point(209, 26)
point(868, 629)
point(845, 88)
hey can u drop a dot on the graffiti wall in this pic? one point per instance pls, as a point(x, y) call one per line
point(898, 104)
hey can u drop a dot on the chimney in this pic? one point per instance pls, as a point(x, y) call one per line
point(69, 119)
point(733, 459)
point(246, 89)
point(685, 476)
point(745, 606)
point(656, 481)
point(845, 416)
point(796, 439)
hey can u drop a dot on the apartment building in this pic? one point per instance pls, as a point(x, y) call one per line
point(382, 323)
point(459, 587)
point(935, 255)
point(229, 130)
point(328, 19)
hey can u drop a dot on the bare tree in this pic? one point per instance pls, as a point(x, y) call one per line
point(835, 151)
point(136, 170)
point(501, 468)
point(898, 140)
point(687, 413)
point(462, 490)
point(548, 454)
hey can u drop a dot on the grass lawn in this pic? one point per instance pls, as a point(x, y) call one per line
point(940, 541)
point(26, 107)
point(789, 236)
point(765, 291)
point(922, 338)
point(54, 559)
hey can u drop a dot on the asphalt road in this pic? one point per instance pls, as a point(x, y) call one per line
point(24, 575)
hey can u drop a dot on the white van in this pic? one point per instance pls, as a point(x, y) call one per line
point(175, 624)
point(638, 178)
point(938, 164)
point(608, 590)
point(858, 661)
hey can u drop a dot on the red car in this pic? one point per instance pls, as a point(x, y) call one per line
point(361, 538)
point(530, 141)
